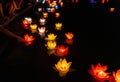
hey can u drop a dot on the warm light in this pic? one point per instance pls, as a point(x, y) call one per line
point(33, 26)
point(112, 9)
point(39, 9)
point(63, 67)
point(57, 14)
point(69, 35)
point(52, 9)
point(45, 14)
point(42, 31)
point(25, 24)
point(28, 39)
point(61, 4)
point(58, 26)
point(117, 75)
point(42, 21)
point(51, 45)
point(51, 36)
point(99, 73)
point(62, 50)
point(29, 19)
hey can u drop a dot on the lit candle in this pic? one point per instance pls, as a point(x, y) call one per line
point(63, 67)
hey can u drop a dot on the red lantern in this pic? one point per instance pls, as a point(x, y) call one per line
point(28, 39)
point(62, 50)
point(25, 24)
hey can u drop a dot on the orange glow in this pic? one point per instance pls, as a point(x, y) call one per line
point(112, 9)
point(45, 14)
point(58, 26)
point(57, 14)
point(117, 75)
point(99, 73)
point(62, 50)
point(25, 24)
point(33, 26)
point(28, 39)
point(69, 35)
point(52, 9)
point(51, 45)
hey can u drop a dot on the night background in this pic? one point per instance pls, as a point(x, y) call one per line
point(96, 40)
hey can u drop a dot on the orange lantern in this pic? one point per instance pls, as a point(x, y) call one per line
point(116, 76)
point(45, 14)
point(62, 51)
point(33, 26)
point(61, 4)
point(25, 24)
point(112, 9)
point(28, 39)
point(57, 14)
point(58, 26)
point(69, 35)
point(52, 10)
point(63, 67)
point(99, 73)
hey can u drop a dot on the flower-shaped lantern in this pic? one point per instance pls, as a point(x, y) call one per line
point(116, 76)
point(51, 36)
point(99, 73)
point(69, 35)
point(42, 21)
point(58, 26)
point(45, 14)
point(25, 24)
point(33, 28)
point(112, 9)
point(28, 39)
point(57, 14)
point(52, 10)
point(62, 50)
point(42, 31)
point(51, 45)
point(63, 67)
point(29, 19)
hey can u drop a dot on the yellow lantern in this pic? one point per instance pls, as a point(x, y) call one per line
point(45, 14)
point(51, 36)
point(33, 26)
point(117, 75)
point(51, 45)
point(58, 26)
point(112, 9)
point(63, 67)
point(69, 35)
point(57, 14)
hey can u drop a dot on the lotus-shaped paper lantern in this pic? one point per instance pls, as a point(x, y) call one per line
point(45, 14)
point(52, 10)
point(29, 19)
point(63, 67)
point(42, 21)
point(62, 50)
point(112, 9)
point(28, 39)
point(51, 36)
point(33, 26)
point(116, 76)
point(51, 45)
point(69, 35)
point(57, 14)
point(58, 26)
point(42, 31)
point(25, 24)
point(99, 72)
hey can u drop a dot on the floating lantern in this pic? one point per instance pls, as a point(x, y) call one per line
point(25, 24)
point(116, 76)
point(51, 45)
point(42, 21)
point(29, 19)
point(28, 39)
point(33, 26)
point(112, 9)
point(99, 73)
point(63, 67)
point(52, 10)
point(105, 1)
point(51, 36)
point(57, 14)
point(69, 35)
point(45, 14)
point(42, 31)
point(61, 4)
point(58, 26)
point(39, 9)
point(62, 51)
